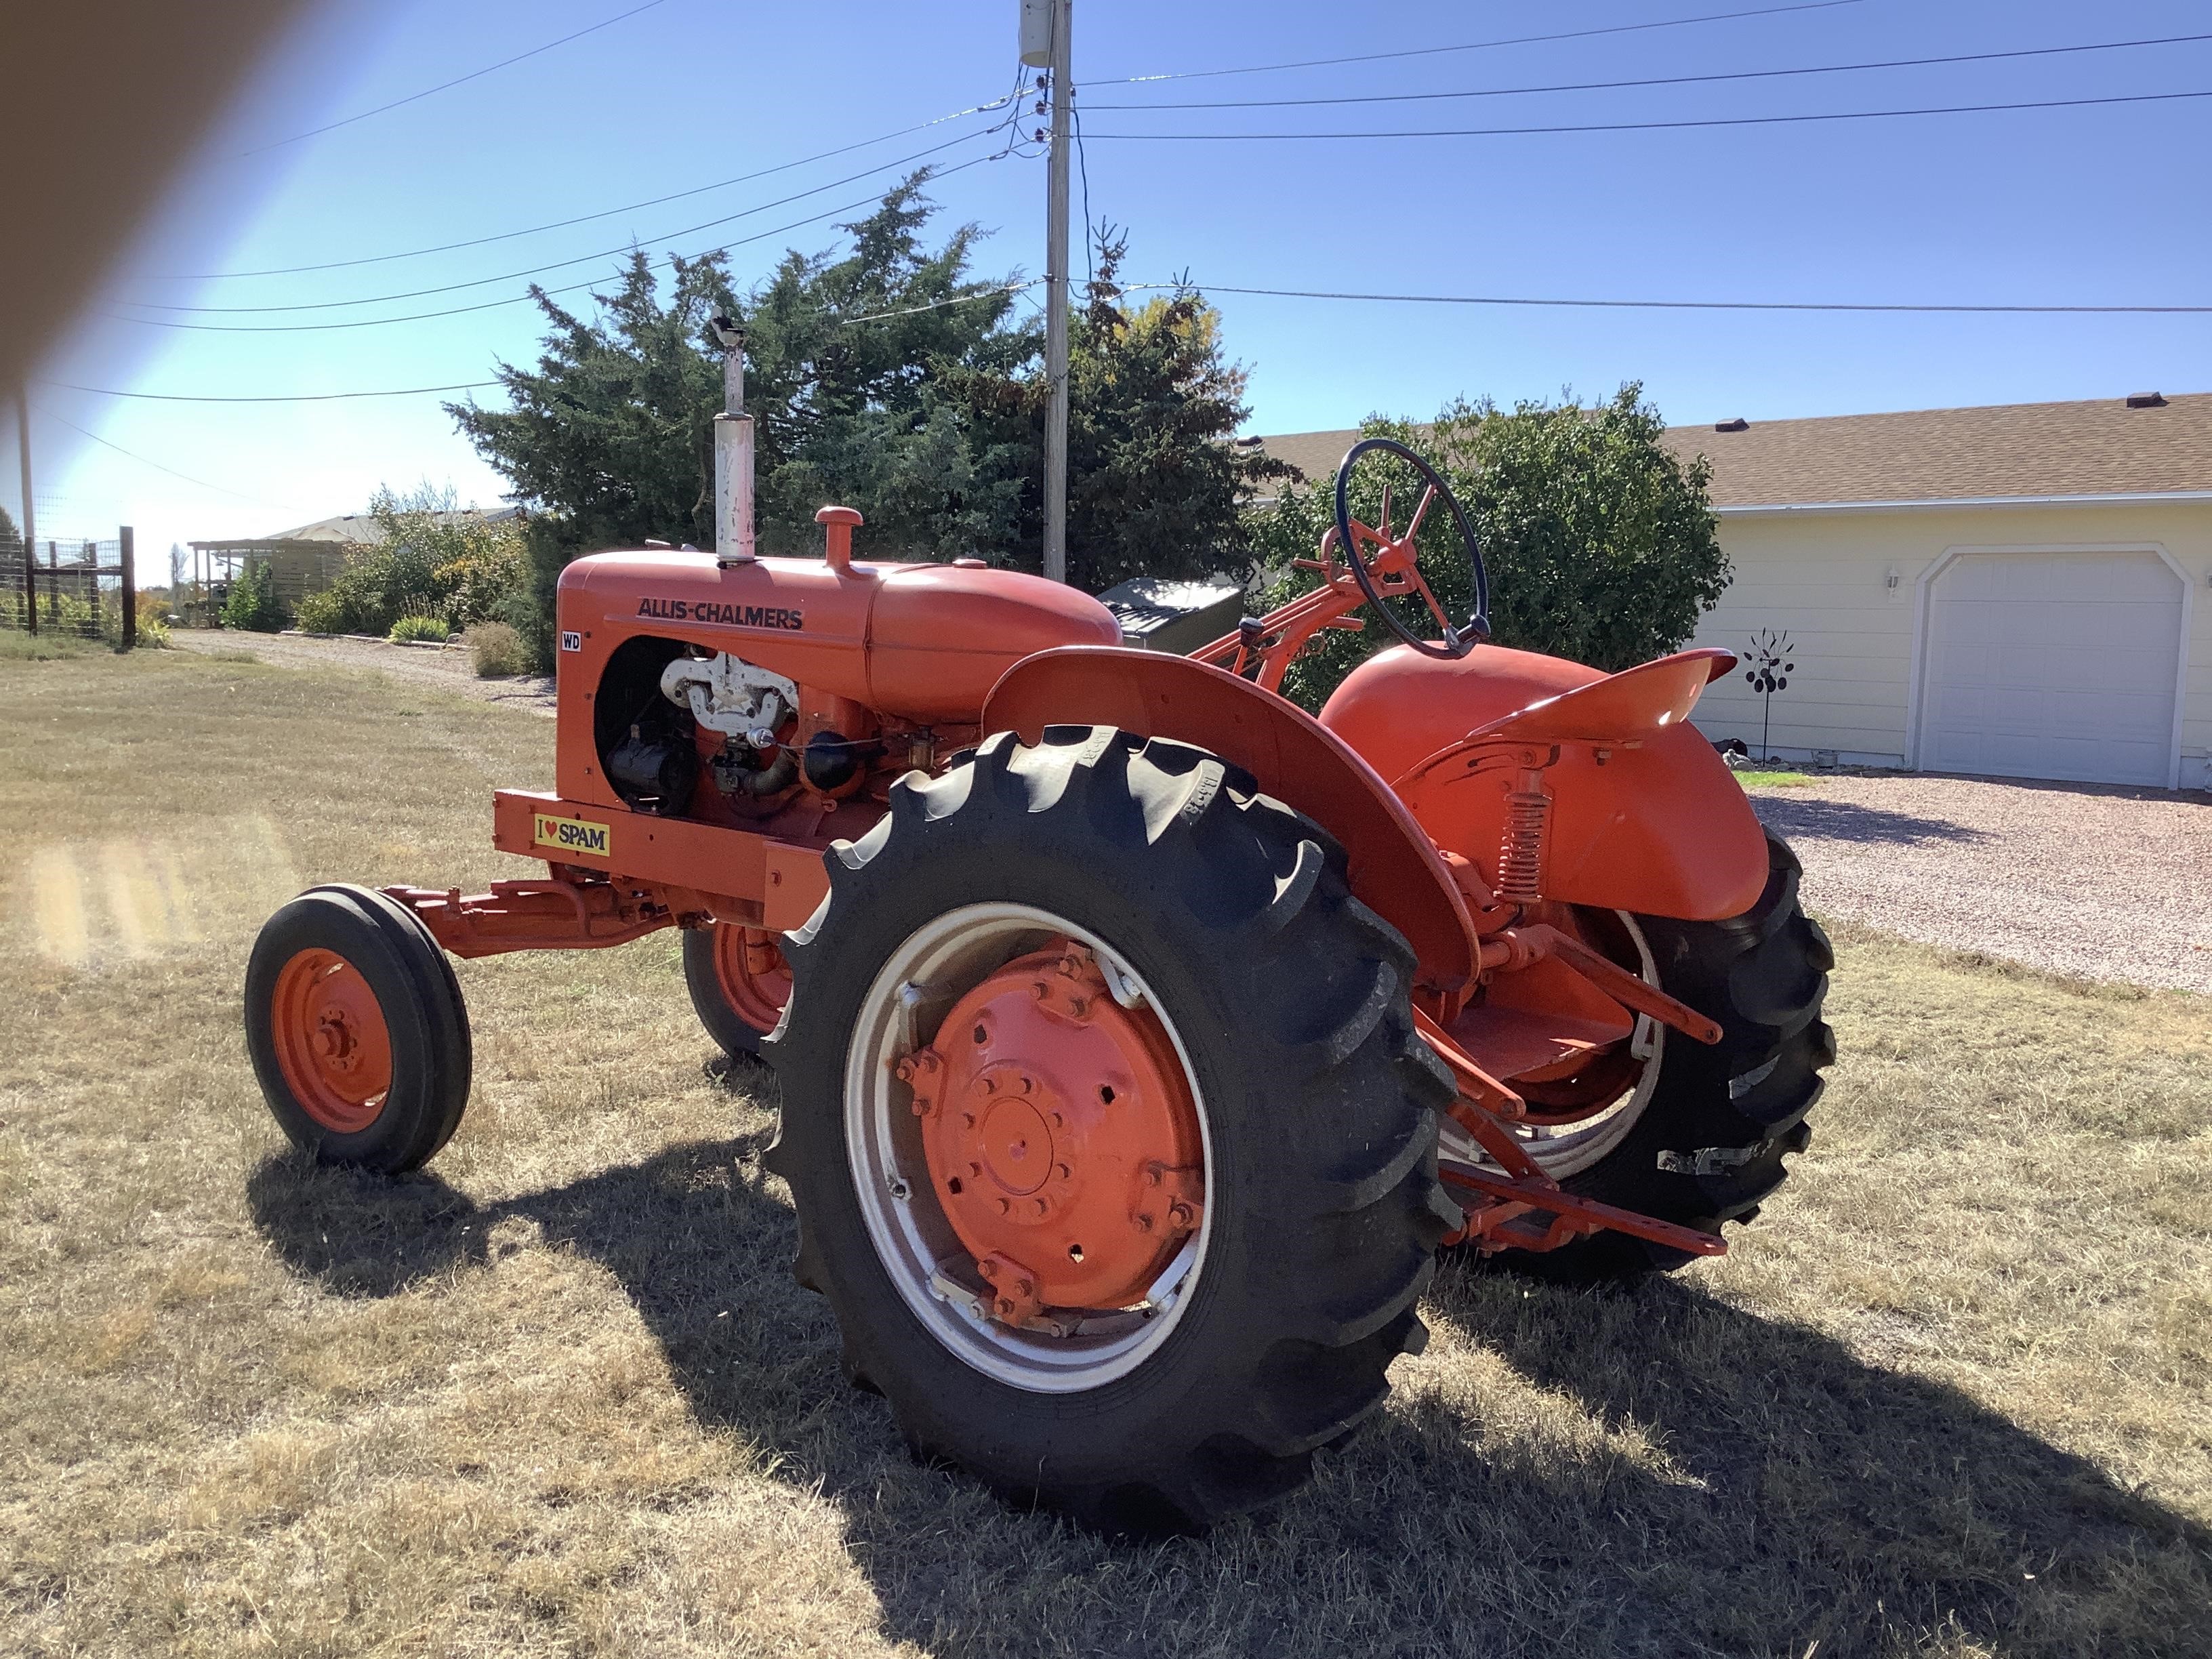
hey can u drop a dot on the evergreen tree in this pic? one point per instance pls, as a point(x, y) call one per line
point(892, 379)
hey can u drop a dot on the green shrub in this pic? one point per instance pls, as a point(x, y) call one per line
point(497, 652)
point(154, 621)
point(431, 561)
point(253, 606)
point(408, 629)
point(1599, 541)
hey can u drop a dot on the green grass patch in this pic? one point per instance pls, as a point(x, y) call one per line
point(18, 647)
point(1774, 780)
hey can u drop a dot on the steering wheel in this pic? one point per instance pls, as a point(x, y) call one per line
point(1395, 569)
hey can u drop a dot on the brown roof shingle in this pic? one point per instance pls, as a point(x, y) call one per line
point(2099, 446)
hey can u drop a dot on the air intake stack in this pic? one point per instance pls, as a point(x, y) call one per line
point(734, 453)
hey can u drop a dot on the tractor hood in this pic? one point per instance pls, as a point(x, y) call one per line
point(917, 642)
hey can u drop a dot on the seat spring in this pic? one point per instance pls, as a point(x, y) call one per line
point(1521, 856)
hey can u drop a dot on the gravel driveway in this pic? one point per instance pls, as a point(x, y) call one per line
point(2099, 883)
point(446, 670)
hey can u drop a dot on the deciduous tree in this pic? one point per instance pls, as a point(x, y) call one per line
point(1599, 540)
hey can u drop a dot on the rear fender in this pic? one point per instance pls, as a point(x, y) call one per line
point(1394, 868)
point(1645, 815)
point(1661, 830)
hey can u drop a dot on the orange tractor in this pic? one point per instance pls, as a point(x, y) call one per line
point(1141, 1038)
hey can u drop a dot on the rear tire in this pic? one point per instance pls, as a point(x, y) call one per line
point(1710, 1146)
point(1288, 1000)
point(357, 1031)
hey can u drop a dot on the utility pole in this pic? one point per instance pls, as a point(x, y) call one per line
point(1058, 17)
point(30, 524)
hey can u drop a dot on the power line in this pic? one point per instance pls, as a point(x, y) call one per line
point(1527, 301)
point(1686, 305)
point(131, 454)
point(480, 385)
point(563, 265)
point(1476, 45)
point(586, 218)
point(1669, 126)
point(1669, 80)
point(462, 80)
point(1083, 166)
point(282, 398)
point(991, 293)
point(519, 299)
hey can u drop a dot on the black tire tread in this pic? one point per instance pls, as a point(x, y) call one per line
point(733, 1034)
point(421, 1000)
point(1763, 976)
point(1317, 989)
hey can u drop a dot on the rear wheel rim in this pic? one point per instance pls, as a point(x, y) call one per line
point(935, 1222)
point(754, 979)
point(332, 1043)
point(1568, 1149)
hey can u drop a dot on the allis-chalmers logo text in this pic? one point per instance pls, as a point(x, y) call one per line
point(714, 610)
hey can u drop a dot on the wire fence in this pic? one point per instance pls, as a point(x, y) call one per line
point(77, 587)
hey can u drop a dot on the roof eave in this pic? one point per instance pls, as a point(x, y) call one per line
point(2145, 498)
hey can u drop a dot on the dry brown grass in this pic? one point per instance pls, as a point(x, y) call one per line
point(1953, 1395)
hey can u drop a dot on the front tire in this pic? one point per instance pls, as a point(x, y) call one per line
point(1285, 1002)
point(356, 1029)
point(738, 982)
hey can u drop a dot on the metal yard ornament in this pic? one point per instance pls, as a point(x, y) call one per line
point(1769, 673)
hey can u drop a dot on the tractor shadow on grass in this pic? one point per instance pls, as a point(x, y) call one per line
point(1648, 1472)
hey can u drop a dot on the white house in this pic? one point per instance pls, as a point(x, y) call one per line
point(2010, 591)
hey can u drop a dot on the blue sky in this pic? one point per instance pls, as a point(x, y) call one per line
point(2089, 205)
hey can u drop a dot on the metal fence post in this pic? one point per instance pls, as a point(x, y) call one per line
point(127, 539)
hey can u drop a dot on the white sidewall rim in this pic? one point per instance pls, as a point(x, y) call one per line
point(909, 1235)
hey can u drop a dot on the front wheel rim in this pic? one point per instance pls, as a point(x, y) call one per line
point(333, 1044)
point(903, 1103)
point(751, 974)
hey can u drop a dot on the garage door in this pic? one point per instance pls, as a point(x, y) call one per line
point(2053, 666)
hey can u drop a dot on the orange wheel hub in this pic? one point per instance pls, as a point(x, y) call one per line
point(331, 1043)
point(1062, 1136)
point(749, 965)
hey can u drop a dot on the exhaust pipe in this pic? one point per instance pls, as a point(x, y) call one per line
point(734, 453)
